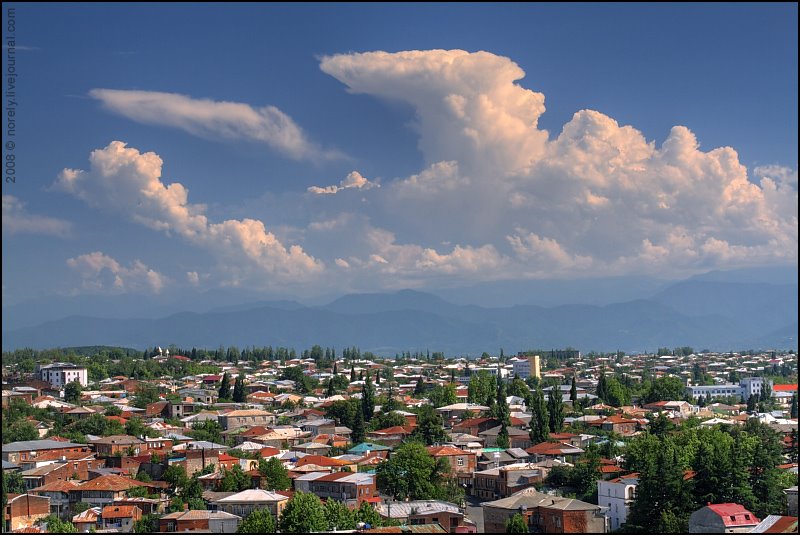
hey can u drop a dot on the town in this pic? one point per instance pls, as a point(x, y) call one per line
point(264, 440)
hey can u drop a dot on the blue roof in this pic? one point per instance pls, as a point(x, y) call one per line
point(368, 446)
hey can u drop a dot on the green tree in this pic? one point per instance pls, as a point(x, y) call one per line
point(72, 392)
point(519, 388)
point(661, 488)
point(419, 389)
point(481, 387)
point(440, 396)
point(602, 387)
point(275, 474)
point(429, 428)
point(146, 393)
point(225, 387)
point(234, 480)
point(387, 419)
point(573, 393)
point(338, 516)
point(358, 432)
point(209, 430)
point(516, 524)
point(239, 394)
point(368, 400)
point(259, 521)
point(411, 472)
point(793, 406)
point(540, 420)
point(304, 513)
point(56, 525)
point(19, 431)
point(665, 389)
point(352, 374)
point(146, 524)
point(176, 476)
point(555, 410)
point(14, 483)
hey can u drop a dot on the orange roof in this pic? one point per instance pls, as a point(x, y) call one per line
point(445, 450)
point(319, 460)
point(269, 452)
point(120, 511)
point(119, 419)
point(610, 469)
point(56, 455)
point(784, 388)
point(57, 486)
point(113, 483)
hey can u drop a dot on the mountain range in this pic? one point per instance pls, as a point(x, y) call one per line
point(716, 311)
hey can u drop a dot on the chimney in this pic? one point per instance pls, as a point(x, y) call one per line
point(185, 506)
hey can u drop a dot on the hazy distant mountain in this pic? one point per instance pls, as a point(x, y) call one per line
point(554, 292)
point(408, 320)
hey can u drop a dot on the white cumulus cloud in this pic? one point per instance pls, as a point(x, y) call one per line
point(102, 273)
point(211, 119)
point(597, 199)
point(354, 180)
point(126, 181)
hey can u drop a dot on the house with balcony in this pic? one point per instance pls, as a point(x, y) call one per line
point(120, 518)
point(618, 495)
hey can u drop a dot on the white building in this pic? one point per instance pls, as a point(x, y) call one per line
point(521, 368)
point(617, 494)
point(59, 374)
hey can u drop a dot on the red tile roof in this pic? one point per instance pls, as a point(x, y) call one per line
point(119, 511)
point(733, 514)
point(784, 388)
point(445, 450)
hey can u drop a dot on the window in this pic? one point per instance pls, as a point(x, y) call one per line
point(460, 461)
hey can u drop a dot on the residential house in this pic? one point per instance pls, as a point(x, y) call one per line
point(722, 518)
point(203, 521)
point(618, 495)
point(120, 518)
point(517, 438)
point(246, 417)
point(16, 452)
point(245, 502)
point(495, 483)
point(347, 487)
point(474, 426)
point(555, 450)
point(424, 512)
point(544, 513)
point(24, 510)
point(87, 520)
point(391, 436)
point(118, 445)
point(619, 424)
point(105, 490)
point(462, 463)
point(59, 494)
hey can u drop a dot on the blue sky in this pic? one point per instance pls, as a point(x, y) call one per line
point(455, 165)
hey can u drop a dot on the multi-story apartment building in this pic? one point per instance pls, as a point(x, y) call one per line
point(59, 374)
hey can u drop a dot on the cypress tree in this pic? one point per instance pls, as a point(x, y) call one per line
point(225, 387)
point(573, 392)
point(555, 409)
point(539, 419)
